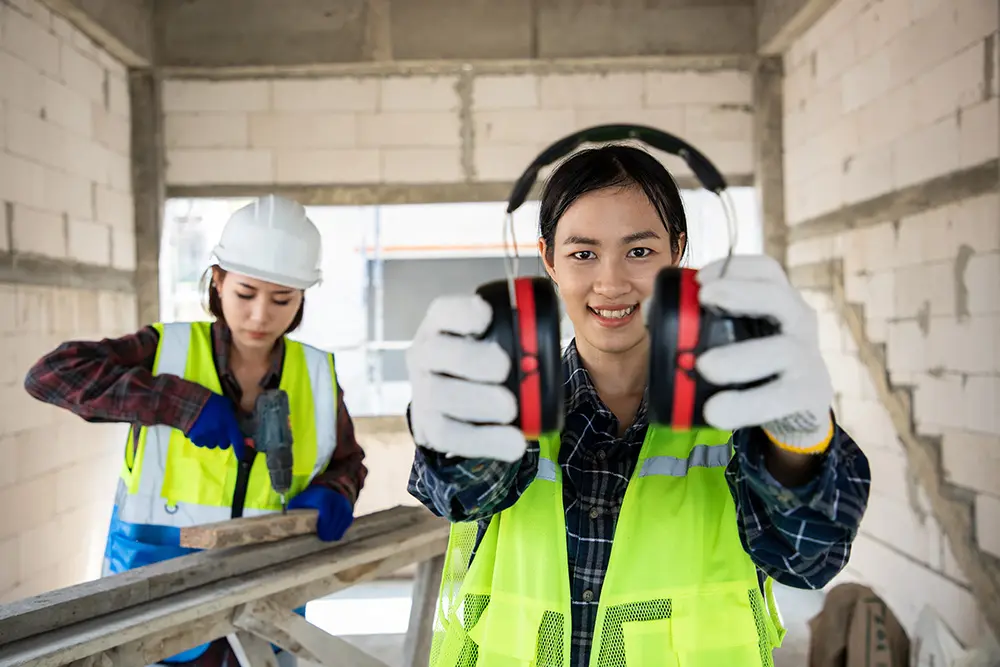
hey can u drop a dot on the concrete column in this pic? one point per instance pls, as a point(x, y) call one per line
point(148, 184)
point(769, 151)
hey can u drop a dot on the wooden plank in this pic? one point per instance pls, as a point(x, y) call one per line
point(155, 630)
point(251, 650)
point(66, 606)
point(299, 637)
point(426, 589)
point(250, 530)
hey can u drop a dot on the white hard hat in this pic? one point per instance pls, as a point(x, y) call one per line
point(272, 239)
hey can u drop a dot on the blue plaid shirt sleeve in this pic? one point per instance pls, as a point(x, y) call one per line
point(801, 537)
point(460, 489)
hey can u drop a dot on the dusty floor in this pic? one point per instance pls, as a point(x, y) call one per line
point(374, 618)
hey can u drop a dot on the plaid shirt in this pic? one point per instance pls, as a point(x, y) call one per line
point(112, 381)
point(801, 537)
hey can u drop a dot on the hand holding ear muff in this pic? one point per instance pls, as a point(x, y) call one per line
point(526, 312)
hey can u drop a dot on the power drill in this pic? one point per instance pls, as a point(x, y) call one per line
point(273, 437)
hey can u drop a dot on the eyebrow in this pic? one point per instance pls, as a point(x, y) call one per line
point(274, 293)
point(631, 238)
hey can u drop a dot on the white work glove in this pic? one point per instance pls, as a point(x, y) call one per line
point(474, 391)
point(794, 408)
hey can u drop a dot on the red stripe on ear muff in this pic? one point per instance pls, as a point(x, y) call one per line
point(688, 325)
point(531, 381)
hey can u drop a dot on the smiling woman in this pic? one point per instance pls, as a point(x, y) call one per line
point(616, 540)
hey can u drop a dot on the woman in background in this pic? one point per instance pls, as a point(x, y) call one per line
point(189, 391)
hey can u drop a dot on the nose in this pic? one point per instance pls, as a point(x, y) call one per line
point(258, 311)
point(611, 281)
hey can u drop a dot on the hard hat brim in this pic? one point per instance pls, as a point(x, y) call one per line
point(266, 276)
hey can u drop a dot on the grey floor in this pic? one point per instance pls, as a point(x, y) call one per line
point(373, 617)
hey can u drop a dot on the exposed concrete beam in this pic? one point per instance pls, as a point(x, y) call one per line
point(124, 28)
point(367, 195)
point(265, 33)
point(18, 268)
point(480, 67)
point(781, 22)
point(939, 191)
point(769, 168)
point(148, 170)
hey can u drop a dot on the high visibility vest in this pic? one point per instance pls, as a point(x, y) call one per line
point(168, 481)
point(680, 590)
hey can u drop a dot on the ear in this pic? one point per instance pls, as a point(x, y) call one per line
point(682, 246)
point(549, 268)
point(218, 275)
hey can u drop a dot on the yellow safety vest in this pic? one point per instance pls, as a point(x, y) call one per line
point(168, 481)
point(680, 590)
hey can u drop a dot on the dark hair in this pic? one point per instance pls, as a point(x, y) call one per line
point(612, 166)
point(213, 302)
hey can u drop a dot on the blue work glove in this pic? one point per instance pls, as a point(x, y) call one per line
point(216, 426)
point(335, 511)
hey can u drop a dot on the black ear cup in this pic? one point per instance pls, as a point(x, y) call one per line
point(680, 330)
point(528, 331)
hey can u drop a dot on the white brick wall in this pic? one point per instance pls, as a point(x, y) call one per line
point(65, 180)
point(881, 95)
point(65, 149)
point(928, 286)
point(410, 129)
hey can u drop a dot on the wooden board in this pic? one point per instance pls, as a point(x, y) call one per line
point(155, 630)
point(250, 530)
point(74, 604)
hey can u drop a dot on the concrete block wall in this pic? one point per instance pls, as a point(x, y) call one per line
point(447, 128)
point(882, 96)
point(64, 195)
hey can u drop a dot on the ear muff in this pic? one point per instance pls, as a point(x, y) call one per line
point(528, 330)
point(680, 330)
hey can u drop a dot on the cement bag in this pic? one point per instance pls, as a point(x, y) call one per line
point(856, 628)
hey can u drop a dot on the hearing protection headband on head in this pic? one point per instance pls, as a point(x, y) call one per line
point(706, 173)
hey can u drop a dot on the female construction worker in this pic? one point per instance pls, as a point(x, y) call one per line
point(189, 390)
point(582, 556)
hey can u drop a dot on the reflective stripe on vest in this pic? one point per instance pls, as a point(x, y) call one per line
point(171, 482)
point(680, 591)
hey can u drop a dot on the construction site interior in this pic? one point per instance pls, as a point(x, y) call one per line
point(860, 140)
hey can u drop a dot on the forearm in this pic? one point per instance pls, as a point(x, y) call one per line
point(799, 535)
point(346, 471)
point(112, 381)
point(467, 489)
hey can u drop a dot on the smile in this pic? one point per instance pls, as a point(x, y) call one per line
point(613, 313)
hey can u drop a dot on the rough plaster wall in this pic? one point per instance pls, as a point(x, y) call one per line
point(434, 129)
point(880, 96)
point(64, 194)
point(388, 455)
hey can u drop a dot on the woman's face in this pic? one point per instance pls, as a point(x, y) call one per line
point(257, 312)
point(609, 246)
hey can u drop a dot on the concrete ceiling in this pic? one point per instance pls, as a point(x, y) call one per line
point(295, 33)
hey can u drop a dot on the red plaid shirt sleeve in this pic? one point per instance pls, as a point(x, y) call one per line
point(346, 471)
point(111, 380)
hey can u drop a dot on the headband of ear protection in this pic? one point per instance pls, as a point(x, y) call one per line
point(526, 313)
